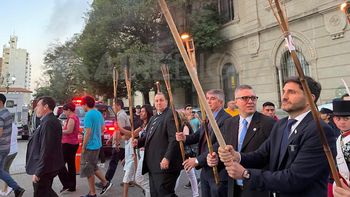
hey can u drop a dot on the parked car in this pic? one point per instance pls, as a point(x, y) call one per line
point(81, 115)
point(326, 105)
point(109, 118)
point(79, 111)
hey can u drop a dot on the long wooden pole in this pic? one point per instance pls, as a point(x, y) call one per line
point(288, 38)
point(191, 51)
point(191, 70)
point(131, 113)
point(210, 145)
point(115, 82)
point(165, 72)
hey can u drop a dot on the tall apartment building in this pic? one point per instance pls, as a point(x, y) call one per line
point(16, 64)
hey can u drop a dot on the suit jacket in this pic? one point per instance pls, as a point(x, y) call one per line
point(44, 149)
point(303, 170)
point(160, 142)
point(258, 131)
point(199, 137)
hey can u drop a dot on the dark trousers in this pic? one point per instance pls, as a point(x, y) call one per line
point(43, 188)
point(244, 191)
point(209, 187)
point(113, 163)
point(102, 155)
point(68, 177)
point(163, 184)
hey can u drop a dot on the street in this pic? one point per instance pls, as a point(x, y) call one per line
point(17, 171)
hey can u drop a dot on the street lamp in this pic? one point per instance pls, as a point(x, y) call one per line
point(191, 51)
point(8, 81)
point(158, 86)
point(345, 7)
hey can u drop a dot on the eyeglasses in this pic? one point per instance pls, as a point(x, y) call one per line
point(246, 98)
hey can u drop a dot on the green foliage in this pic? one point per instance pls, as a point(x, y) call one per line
point(206, 24)
point(114, 29)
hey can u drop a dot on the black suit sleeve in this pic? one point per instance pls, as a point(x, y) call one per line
point(48, 131)
point(193, 138)
point(172, 143)
point(141, 141)
point(309, 165)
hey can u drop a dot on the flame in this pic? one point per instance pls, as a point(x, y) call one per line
point(343, 6)
point(185, 36)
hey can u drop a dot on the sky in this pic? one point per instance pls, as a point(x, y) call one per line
point(37, 23)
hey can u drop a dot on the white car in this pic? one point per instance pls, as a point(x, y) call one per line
point(326, 105)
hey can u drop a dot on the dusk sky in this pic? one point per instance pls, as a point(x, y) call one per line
point(37, 23)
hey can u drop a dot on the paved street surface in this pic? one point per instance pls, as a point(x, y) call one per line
point(18, 173)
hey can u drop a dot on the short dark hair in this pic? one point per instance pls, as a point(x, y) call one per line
point(119, 102)
point(314, 86)
point(268, 104)
point(89, 101)
point(49, 101)
point(69, 106)
point(188, 105)
point(3, 98)
point(138, 107)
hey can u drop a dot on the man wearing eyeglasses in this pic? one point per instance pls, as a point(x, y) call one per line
point(297, 164)
point(245, 132)
point(216, 100)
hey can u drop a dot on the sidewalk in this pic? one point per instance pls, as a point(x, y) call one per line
point(24, 181)
point(18, 173)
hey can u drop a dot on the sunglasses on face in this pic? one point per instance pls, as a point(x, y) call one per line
point(246, 98)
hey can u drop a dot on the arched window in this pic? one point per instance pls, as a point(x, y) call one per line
point(229, 81)
point(288, 67)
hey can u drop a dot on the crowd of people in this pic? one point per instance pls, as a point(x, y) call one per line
point(264, 155)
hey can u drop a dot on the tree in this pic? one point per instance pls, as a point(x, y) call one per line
point(60, 65)
point(116, 29)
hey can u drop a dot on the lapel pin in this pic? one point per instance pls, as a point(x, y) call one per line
point(292, 148)
point(254, 129)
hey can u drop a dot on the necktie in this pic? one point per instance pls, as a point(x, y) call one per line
point(154, 122)
point(284, 142)
point(240, 143)
point(243, 133)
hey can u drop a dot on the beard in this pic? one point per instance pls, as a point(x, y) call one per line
point(293, 107)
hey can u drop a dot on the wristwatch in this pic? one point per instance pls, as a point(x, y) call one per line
point(196, 161)
point(246, 174)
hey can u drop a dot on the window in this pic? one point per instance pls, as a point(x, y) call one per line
point(10, 104)
point(229, 81)
point(288, 69)
point(287, 65)
point(226, 10)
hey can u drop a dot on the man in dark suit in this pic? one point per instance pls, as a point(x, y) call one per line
point(297, 162)
point(216, 100)
point(245, 133)
point(162, 159)
point(44, 154)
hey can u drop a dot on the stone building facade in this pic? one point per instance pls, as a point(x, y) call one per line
point(254, 51)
